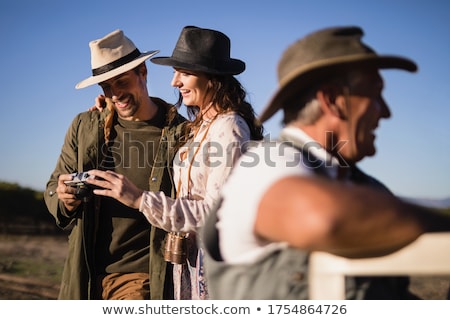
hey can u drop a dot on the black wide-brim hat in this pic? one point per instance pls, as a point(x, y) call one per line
point(321, 54)
point(203, 50)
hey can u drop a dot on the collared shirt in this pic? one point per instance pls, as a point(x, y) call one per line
point(256, 171)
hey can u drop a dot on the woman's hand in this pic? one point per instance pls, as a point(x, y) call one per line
point(100, 103)
point(117, 186)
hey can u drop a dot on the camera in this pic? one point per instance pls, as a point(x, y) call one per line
point(83, 189)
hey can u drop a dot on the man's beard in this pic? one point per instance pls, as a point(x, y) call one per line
point(130, 109)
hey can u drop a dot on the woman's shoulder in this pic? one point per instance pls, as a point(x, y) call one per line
point(229, 126)
point(231, 118)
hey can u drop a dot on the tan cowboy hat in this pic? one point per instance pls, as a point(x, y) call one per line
point(112, 55)
point(321, 53)
point(204, 50)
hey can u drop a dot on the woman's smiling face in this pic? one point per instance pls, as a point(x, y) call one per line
point(193, 87)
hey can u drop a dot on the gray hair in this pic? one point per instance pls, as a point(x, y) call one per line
point(310, 113)
point(307, 112)
point(305, 108)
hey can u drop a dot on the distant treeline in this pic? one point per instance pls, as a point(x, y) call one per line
point(23, 211)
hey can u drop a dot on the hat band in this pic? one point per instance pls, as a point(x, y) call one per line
point(117, 63)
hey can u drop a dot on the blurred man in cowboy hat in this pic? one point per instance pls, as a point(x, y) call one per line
point(114, 253)
point(305, 192)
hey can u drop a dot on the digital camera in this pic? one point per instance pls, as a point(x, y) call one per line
point(83, 189)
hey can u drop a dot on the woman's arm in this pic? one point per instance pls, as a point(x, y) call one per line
point(181, 214)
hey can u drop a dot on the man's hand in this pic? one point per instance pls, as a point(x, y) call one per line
point(66, 193)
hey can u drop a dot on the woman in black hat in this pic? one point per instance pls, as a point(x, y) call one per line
point(222, 124)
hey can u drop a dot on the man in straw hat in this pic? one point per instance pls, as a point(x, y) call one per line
point(114, 253)
point(305, 192)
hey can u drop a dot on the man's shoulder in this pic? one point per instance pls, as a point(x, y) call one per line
point(272, 147)
point(270, 157)
point(179, 119)
point(173, 119)
point(359, 176)
point(88, 121)
point(91, 115)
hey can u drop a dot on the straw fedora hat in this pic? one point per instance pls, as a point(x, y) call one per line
point(112, 55)
point(204, 50)
point(320, 54)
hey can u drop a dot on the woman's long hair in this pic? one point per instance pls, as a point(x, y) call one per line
point(227, 95)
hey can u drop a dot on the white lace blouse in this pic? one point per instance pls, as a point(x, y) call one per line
point(201, 167)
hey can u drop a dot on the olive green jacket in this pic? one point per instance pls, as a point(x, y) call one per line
point(80, 153)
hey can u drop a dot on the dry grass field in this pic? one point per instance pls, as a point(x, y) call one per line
point(31, 266)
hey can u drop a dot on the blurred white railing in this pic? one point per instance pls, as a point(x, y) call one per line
point(429, 255)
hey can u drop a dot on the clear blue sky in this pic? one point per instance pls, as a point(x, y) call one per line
point(45, 53)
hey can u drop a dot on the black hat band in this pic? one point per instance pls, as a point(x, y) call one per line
point(117, 63)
